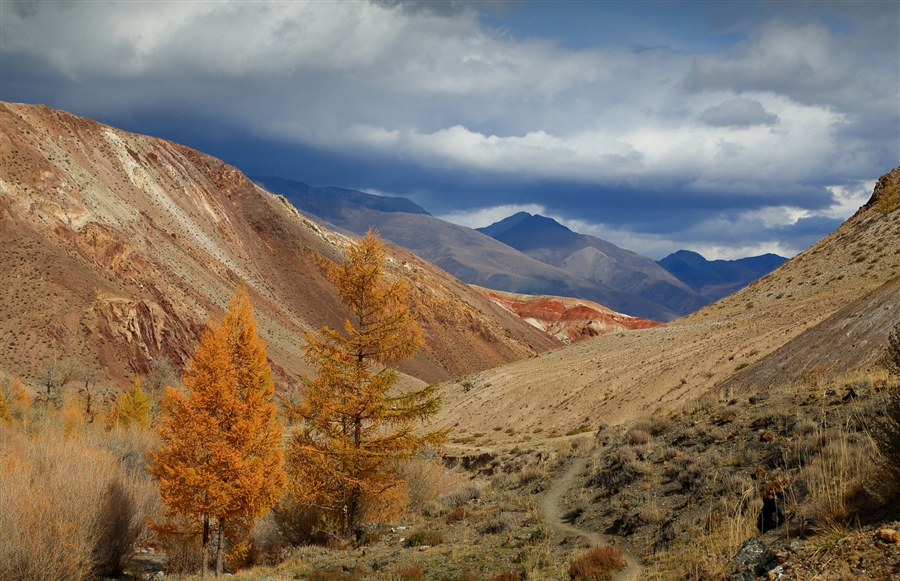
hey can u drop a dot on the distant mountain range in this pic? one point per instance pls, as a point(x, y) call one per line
point(469, 255)
point(595, 259)
point(715, 279)
point(531, 254)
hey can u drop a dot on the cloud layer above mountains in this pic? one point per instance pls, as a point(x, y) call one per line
point(726, 128)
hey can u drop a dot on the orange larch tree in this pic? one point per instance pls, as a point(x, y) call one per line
point(355, 426)
point(220, 462)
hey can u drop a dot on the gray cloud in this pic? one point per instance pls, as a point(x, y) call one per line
point(739, 112)
point(422, 99)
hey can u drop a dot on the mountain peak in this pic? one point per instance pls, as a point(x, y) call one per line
point(498, 228)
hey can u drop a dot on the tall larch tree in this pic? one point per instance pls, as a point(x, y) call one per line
point(355, 426)
point(220, 463)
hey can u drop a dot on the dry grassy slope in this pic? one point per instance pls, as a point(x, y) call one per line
point(616, 378)
point(115, 248)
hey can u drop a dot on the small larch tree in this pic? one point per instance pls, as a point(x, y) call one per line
point(220, 463)
point(133, 406)
point(356, 428)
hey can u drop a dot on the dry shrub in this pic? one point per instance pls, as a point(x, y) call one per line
point(529, 473)
point(267, 545)
point(180, 541)
point(704, 549)
point(428, 480)
point(299, 525)
point(461, 496)
point(428, 538)
point(70, 510)
point(411, 573)
point(598, 564)
point(459, 514)
point(886, 434)
point(837, 476)
point(636, 437)
point(498, 522)
point(510, 575)
point(502, 480)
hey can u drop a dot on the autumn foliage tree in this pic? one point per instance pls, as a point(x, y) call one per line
point(220, 463)
point(133, 406)
point(355, 426)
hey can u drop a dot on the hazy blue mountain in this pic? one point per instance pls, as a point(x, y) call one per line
point(715, 279)
point(596, 259)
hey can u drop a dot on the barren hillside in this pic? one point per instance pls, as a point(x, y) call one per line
point(115, 248)
point(567, 319)
point(616, 378)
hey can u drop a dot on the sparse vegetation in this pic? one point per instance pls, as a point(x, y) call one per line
point(598, 564)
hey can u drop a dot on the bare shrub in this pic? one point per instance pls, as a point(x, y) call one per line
point(598, 564)
point(498, 522)
point(461, 497)
point(70, 511)
point(529, 473)
point(410, 573)
point(636, 437)
point(624, 454)
point(300, 525)
point(502, 480)
point(428, 480)
point(266, 543)
point(511, 575)
point(459, 514)
point(655, 425)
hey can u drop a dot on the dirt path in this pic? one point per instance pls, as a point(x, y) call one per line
point(551, 506)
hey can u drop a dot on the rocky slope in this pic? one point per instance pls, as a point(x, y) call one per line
point(115, 249)
point(569, 320)
point(595, 259)
point(618, 377)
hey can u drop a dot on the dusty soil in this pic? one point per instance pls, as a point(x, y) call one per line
point(558, 517)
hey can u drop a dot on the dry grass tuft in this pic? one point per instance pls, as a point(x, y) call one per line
point(598, 564)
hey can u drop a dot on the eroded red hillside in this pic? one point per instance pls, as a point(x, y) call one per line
point(115, 249)
point(567, 319)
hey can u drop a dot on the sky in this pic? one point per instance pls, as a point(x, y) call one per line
point(728, 128)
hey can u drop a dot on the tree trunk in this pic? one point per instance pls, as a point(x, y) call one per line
point(204, 545)
point(219, 548)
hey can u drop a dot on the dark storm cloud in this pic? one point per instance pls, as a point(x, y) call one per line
point(658, 147)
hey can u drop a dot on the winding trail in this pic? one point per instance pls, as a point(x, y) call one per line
point(551, 507)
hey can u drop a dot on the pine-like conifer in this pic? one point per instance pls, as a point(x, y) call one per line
point(220, 463)
point(341, 461)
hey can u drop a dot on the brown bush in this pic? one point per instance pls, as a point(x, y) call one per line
point(598, 564)
point(70, 510)
point(411, 573)
point(459, 514)
point(511, 575)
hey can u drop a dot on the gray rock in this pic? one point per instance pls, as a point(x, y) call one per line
point(752, 561)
